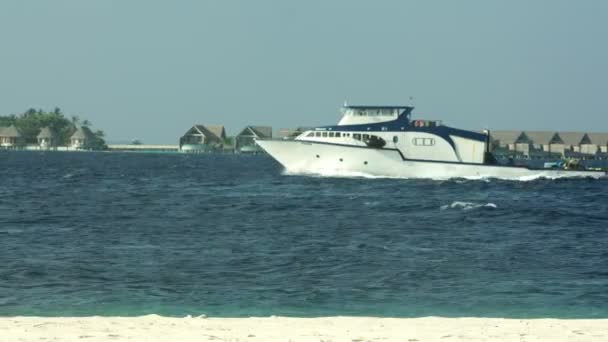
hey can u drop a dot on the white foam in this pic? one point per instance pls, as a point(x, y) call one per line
point(11, 231)
point(371, 203)
point(336, 174)
point(354, 174)
point(467, 205)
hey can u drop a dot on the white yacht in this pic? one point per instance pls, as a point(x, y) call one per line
point(383, 141)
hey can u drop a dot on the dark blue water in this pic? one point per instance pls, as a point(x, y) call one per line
point(132, 234)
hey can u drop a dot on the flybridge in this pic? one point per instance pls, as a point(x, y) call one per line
point(393, 111)
point(373, 114)
point(353, 115)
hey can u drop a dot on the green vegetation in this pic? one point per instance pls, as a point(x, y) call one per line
point(228, 144)
point(31, 121)
point(228, 141)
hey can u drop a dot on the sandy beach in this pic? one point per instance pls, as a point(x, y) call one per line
point(352, 329)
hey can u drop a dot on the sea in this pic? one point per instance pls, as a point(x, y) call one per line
point(131, 234)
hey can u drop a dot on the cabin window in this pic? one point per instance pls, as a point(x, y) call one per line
point(311, 134)
point(317, 134)
point(357, 136)
point(423, 141)
point(337, 134)
point(324, 134)
point(331, 134)
point(395, 139)
point(365, 136)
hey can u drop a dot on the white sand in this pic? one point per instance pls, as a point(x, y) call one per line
point(155, 328)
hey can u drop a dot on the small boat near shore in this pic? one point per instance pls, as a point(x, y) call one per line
point(384, 141)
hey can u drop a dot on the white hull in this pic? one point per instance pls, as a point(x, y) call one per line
point(305, 157)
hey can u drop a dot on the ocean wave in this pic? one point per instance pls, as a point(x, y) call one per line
point(486, 179)
point(11, 231)
point(358, 174)
point(239, 239)
point(335, 174)
point(467, 205)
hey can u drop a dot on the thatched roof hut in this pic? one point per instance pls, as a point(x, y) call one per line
point(10, 132)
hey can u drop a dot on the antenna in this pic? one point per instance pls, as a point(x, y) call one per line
point(343, 109)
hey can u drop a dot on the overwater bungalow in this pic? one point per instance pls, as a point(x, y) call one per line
point(201, 138)
point(504, 140)
point(81, 139)
point(245, 141)
point(594, 143)
point(551, 144)
point(566, 141)
point(47, 139)
point(10, 137)
point(539, 141)
point(288, 133)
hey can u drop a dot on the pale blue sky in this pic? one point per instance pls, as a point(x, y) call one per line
point(149, 69)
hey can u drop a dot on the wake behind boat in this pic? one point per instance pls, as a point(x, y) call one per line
point(383, 141)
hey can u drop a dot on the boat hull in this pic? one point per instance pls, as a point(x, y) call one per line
point(305, 157)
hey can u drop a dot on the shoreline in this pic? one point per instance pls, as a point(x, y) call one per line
point(267, 329)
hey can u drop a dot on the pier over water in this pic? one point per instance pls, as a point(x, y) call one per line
point(143, 148)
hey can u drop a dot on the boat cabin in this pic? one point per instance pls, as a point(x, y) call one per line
point(355, 115)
